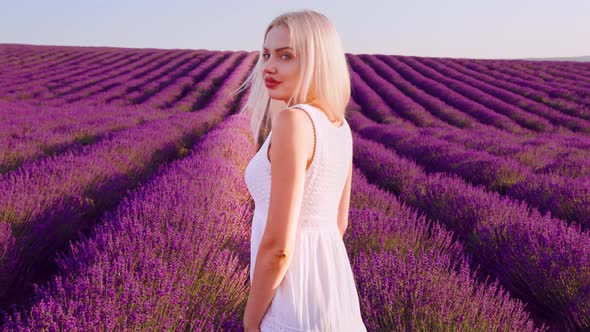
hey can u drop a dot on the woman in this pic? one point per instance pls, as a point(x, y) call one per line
point(300, 274)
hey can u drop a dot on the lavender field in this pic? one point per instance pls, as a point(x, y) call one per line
point(123, 204)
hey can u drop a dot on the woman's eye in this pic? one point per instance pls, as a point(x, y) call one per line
point(285, 56)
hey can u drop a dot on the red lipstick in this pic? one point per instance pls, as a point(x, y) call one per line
point(271, 82)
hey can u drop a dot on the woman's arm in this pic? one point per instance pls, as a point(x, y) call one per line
point(345, 203)
point(291, 144)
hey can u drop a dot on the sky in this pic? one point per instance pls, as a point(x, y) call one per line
point(493, 29)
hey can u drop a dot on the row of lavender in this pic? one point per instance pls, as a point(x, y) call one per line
point(390, 112)
point(167, 255)
point(413, 89)
point(567, 81)
point(57, 71)
point(431, 104)
point(501, 98)
point(141, 269)
point(49, 201)
point(538, 152)
point(23, 60)
point(477, 166)
point(167, 83)
point(41, 62)
point(501, 164)
point(541, 260)
point(130, 80)
point(561, 98)
point(410, 112)
point(566, 197)
point(160, 81)
point(32, 132)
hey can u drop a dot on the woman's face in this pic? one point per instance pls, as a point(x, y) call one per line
point(280, 64)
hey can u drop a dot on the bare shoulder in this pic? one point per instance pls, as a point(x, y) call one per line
point(293, 120)
point(293, 134)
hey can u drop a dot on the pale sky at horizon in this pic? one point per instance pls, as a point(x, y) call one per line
point(499, 29)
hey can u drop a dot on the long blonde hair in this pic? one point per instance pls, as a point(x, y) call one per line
point(323, 66)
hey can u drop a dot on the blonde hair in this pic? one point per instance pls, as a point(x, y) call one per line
point(323, 66)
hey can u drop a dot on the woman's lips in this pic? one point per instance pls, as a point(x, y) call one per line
point(271, 85)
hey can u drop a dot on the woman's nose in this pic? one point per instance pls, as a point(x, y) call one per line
point(268, 67)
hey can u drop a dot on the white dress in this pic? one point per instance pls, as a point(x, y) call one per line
point(318, 292)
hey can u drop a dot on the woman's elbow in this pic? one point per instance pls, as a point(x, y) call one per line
point(275, 253)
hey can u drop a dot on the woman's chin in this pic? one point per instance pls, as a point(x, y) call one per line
point(272, 94)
